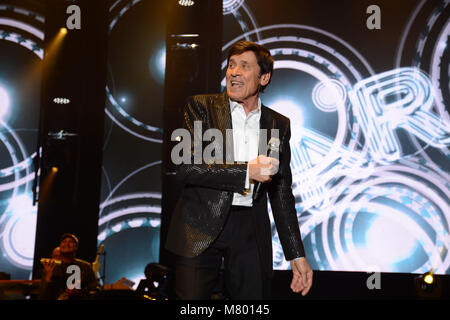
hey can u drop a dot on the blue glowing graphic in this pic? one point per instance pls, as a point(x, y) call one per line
point(394, 99)
point(370, 158)
point(21, 44)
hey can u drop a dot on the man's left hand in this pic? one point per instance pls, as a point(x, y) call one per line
point(302, 276)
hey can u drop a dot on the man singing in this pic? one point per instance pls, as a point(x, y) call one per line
point(222, 216)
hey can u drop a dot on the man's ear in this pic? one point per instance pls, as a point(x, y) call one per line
point(265, 78)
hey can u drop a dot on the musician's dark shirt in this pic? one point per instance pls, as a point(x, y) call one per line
point(57, 286)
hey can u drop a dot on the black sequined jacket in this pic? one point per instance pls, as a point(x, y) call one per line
point(208, 187)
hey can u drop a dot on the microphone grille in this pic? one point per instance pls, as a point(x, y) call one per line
point(274, 144)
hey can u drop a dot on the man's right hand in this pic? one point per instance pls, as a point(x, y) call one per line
point(262, 168)
point(49, 266)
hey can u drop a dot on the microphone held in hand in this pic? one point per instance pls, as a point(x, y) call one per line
point(273, 148)
point(48, 260)
point(273, 151)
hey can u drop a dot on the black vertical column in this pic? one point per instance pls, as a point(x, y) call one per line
point(193, 66)
point(71, 130)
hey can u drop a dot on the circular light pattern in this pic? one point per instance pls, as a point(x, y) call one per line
point(410, 196)
point(345, 199)
point(243, 15)
point(27, 29)
point(432, 56)
point(114, 110)
point(4, 102)
point(231, 6)
point(17, 215)
point(328, 95)
point(119, 213)
point(126, 213)
point(20, 248)
point(386, 242)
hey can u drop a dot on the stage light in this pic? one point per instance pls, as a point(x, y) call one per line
point(186, 3)
point(54, 169)
point(428, 278)
point(428, 286)
point(55, 44)
point(185, 35)
point(61, 100)
point(186, 45)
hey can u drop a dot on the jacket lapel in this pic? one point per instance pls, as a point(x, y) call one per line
point(224, 122)
point(265, 126)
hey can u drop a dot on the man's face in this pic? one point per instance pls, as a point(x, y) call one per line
point(67, 245)
point(243, 77)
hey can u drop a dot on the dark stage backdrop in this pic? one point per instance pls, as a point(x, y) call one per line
point(370, 125)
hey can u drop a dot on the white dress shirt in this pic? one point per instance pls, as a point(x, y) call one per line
point(246, 142)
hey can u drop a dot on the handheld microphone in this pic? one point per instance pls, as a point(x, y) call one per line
point(48, 260)
point(273, 149)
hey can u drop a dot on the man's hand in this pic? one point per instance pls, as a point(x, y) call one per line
point(49, 266)
point(263, 168)
point(302, 276)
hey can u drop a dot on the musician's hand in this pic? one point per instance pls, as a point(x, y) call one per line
point(263, 168)
point(49, 266)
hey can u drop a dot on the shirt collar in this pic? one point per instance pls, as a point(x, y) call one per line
point(234, 104)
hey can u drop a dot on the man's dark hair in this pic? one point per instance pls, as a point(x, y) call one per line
point(263, 56)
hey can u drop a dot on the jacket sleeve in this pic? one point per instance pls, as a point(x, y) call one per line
point(221, 176)
point(282, 202)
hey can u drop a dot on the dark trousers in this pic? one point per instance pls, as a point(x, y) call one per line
point(237, 250)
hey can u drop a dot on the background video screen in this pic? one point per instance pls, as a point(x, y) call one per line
point(367, 91)
point(130, 203)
